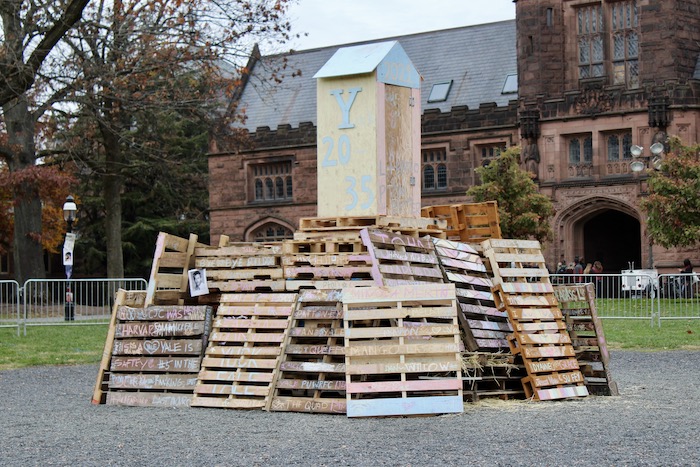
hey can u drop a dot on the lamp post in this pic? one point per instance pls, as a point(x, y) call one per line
point(70, 211)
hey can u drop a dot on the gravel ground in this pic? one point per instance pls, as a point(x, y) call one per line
point(47, 419)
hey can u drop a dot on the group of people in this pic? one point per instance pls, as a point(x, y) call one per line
point(577, 269)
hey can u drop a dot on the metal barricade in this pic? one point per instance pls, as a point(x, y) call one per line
point(679, 296)
point(10, 305)
point(72, 301)
point(620, 296)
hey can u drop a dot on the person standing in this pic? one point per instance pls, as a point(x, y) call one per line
point(578, 270)
point(687, 279)
point(597, 269)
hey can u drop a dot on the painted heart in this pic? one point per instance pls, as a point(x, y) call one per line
point(151, 347)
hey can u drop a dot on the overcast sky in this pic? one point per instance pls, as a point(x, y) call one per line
point(334, 22)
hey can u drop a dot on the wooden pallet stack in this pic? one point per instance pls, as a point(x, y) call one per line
point(522, 288)
point(468, 223)
point(312, 372)
point(577, 303)
point(401, 259)
point(242, 267)
point(402, 350)
point(245, 350)
point(489, 367)
point(173, 257)
point(153, 354)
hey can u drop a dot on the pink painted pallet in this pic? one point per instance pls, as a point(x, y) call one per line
point(577, 303)
point(156, 353)
point(522, 288)
point(244, 351)
point(311, 377)
point(400, 259)
point(242, 267)
point(402, 350)
point(484, 327)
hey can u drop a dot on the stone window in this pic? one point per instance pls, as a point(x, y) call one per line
point(434, 169)
point(271, 232)
point(589, 27)
point(581, 149)
point(618, 145)
point(625, 43)
point(489, 152)
point(608, 38)
point(272, 181)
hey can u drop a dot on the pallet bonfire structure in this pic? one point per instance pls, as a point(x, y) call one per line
point(522, 288)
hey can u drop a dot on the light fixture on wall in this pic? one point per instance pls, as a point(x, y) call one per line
point(640, 160)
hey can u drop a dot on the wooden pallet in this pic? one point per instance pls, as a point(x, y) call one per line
point(400, 259)
point(468, 223)
point(155, 354)
point(484, 327)
point(325, 243)
point(402, 351)
point(244, 351)
point(314, 224)
point(312, 372)
point(173, 257)
point(242, 267)
point(491, 375)
point(123, 297)
point(577, 303)
point(522, 288)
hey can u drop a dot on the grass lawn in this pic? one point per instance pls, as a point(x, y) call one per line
point(72, 345)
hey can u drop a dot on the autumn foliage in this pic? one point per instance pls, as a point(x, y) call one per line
point(673, 204)
point(52, 185)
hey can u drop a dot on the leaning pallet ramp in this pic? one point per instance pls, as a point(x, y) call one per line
point(577, 303)
point(401, 259)
point(245, 350)
point(522, 288)
point(173, 257)
point(153, 354)
point(311, 377)
point(485, 328)
point(402, 351)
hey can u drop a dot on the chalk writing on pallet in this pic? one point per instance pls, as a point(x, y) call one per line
point(577, 303)
point(244, 350)
point(483, 327)
point(539, 336)
point(156, 354)
point(402, 350)
point(400, 259)
point(312, 373)
point(242, 267)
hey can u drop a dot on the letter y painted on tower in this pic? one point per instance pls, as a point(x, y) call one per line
point(345, 106)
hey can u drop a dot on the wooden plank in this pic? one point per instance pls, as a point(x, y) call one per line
point(158, 347)
point(397, 313)
point(400, 386)
point(311, 384)
point(531, 314)
point(219, 375)
point(149, 399)
point(243, 362)
point(404, 406)
point(534, 339)
point(259, 274)
point(160, 364)
point(98, 393)
point(539, 326)
point(424, 293)
point(257, 299)
point(422, 330)
point(546, 352)
point(246, 323)
point(233, 350)
point(552, 365)
point(163, 313)
point(309, 405)
point(434, 364)
point(561, 393)
point(237, 262)
point(313, 367)
point(160, 329)
point(177, 382)
point(318, 349)
point(557, 379)
point(245, 337)
point(231, 390)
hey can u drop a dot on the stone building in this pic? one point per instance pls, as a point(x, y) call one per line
point(575, 83)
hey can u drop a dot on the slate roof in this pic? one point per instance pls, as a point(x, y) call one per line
point(477, 58)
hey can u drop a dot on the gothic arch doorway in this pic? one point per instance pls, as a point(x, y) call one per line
point(269, 230)
point(602, 229)
point(613, 238)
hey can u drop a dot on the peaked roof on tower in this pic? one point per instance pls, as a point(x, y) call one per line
point(470, 66)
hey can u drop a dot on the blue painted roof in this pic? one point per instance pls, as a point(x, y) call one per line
point(476, 58)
